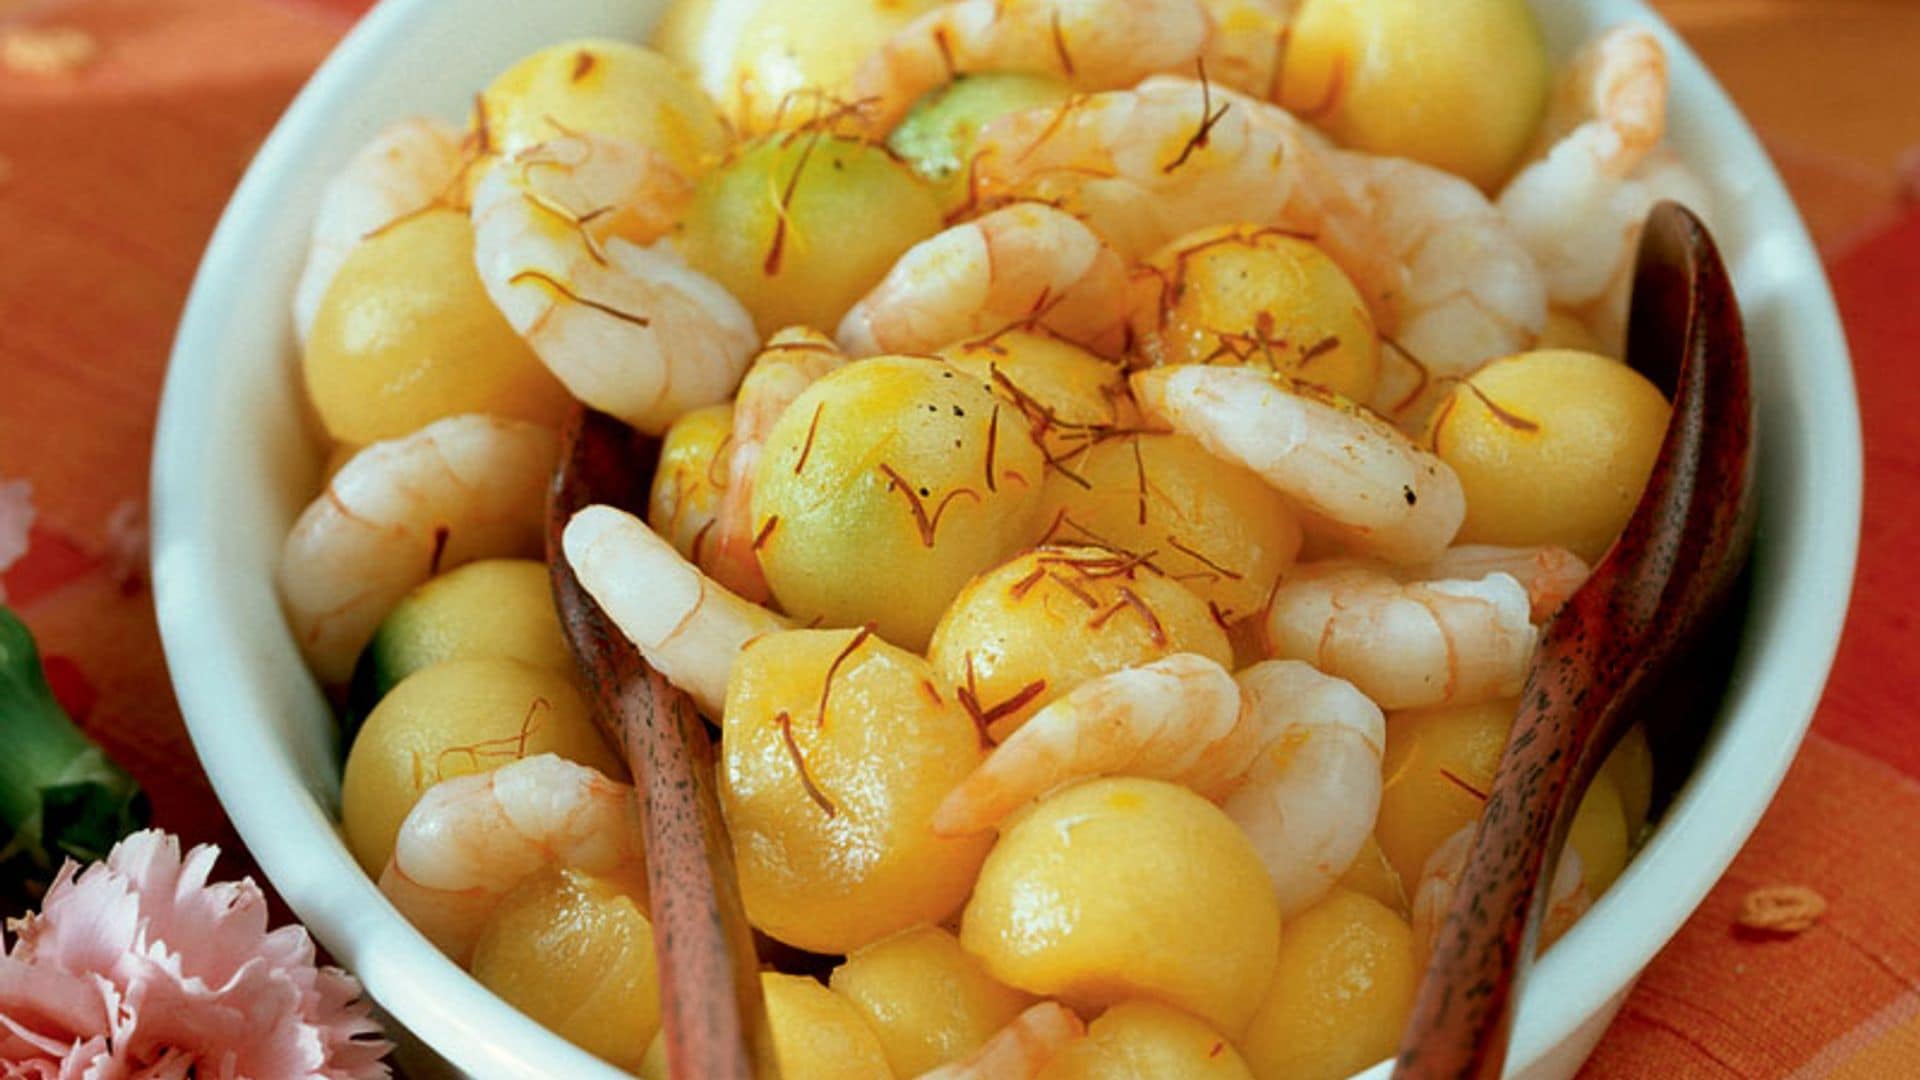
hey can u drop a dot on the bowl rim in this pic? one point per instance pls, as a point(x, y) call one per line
point(1700, 835)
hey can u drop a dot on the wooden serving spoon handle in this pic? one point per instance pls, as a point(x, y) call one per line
point(711, 1011)
point(1644, 608)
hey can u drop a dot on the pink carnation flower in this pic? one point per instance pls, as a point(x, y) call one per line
point(137, 967)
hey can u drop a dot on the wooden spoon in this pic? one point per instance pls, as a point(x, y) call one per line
point(711, 1012)
point(1645, 608)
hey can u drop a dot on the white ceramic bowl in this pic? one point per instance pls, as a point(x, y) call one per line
point(234, 461)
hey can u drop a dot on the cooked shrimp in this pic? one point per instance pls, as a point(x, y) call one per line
point(408, 167)
point(1580, 204)
point(1441, 273)
point(792, 361)
point(1433, 895)
point(1469, 292)
point(471, 839)
point(1026, 262)
point(687, 626)
point(1551, 575)
point(1292, 755)
point(1176, 719)
point(631, 330)
point(1093, 44)
point(398, 512)
point(1309, 802)
point(1369, 484)
point(1406, 646)
point(1019, 1051)
point(1147, 165)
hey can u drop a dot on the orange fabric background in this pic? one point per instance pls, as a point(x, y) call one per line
point(111, 179)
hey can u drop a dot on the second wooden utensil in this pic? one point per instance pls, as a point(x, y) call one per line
point(1643, 610)
point(711, 1011)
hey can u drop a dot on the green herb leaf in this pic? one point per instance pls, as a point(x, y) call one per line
point(60, 795)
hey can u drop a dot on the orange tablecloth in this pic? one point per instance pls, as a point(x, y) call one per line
point(111, 178)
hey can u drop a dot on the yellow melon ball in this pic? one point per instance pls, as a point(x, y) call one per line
point(1599, 834)
point(604, 87)
point(838, 748)
point(1551, 448)
point(489, 608)
point(691, 479)
point(928, 999)
point(1031, 630)
point(679, 32)
point(1371, 875)
point(800, 228)
point(406, 335)
point(1137, 1039)
point(452, 719)
point(576, 954)
point(1211, 525)
point(1262, 297)
point(1341, 992)
point(884, 488)
point(819, 1035)
point(816, 1035)
point(1066, 395)
point(938, 137)
point(1439, 766)
point(1565, 331)
point(653, 1066)
point(1630, 766)
point(1122, 888)
point(1460, 86)
point(792, 60)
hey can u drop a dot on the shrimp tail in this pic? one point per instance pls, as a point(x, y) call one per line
point(689, 627)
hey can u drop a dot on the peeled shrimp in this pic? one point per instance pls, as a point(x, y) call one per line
point(1406, 646)
point(1175, 719)
point(631, 330)
point(688, 627)
point(1368, 483)
point(1292, 755)
point(1022, 262)
point(407, 167)
point(398, 512)
point(793, 360)
point(1309, 802)
point(1551, 575)
point(1440, 270)
point(1433, 895)
point(1148, 165)
point(471, 839)
point(1599, 168)
point(1469, 291)
point(1019, 1051)
point(1093, 44)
